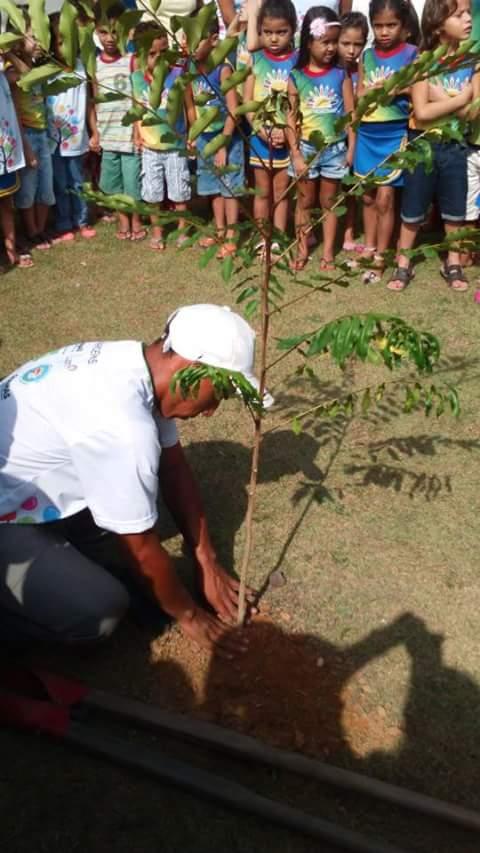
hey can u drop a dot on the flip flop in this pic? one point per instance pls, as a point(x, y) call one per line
point(158, 244)
point(138, 236)
point(123, 235)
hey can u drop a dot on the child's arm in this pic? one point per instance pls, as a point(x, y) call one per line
point(291, 135)
point(426, 110)
point(94, 141)
point(361, 87)
point(349, 104)
point(13, 76)
point(227, 11)
point(231, 100)
point(252, 8)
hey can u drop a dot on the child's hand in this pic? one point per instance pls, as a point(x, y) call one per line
point(191, 147)
point(137, 142)
point(31, 159)
point(299, 163)
point(220, 159)
point(243, 13)
point(94, 143)
point(278, 137)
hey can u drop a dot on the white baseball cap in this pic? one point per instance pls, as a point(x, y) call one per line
point(214, 335)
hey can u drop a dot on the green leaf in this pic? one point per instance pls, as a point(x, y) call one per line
point(134, 114)
point(7, 40)
point(125, 24)
point(195, 27)
point(14, 14)
point(211, 148)
point(227, 268)
point(156, 89)
point(62, 84)
point(235, 79)
point(38, 75)
point(221, 51)
point(39, 22)
point(107, 97)
point(88, 49)
point(296, 426)
point(201, 123)
point(175, 101)
point(68, 29)
point(248, 107)
point(207, 256)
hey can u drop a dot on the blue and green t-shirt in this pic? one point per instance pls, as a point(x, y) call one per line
point(378, 66)
point(320, 103)
point(211, 84)
point(271, 72)
point(152, 136)
point(452, 80)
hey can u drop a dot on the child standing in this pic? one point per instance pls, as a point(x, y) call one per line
point(165, 172)
point(449, 93)
point(320, 93)
point(120, 167)
point(11, 160)
point(383, 131)
point(225, 189)
point(35, 195)
point(67, 130)
point(271, 67)
point(351, 44)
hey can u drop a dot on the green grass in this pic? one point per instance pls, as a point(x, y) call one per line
point(369, 519)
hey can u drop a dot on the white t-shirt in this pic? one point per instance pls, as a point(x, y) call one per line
point(11, 147)
point(67, 118)
point(78, 429)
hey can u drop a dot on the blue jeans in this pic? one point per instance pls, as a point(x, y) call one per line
point(36, 184)
point(71, 209)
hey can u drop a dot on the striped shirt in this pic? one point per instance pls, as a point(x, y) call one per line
point(114, 74)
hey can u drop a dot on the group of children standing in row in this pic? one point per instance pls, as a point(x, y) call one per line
point(322, 78)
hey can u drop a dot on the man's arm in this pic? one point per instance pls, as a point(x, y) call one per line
point(153, 562)
point(182, 498)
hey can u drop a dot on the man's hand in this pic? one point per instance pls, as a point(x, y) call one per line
point(210, 633)
point(221, 591)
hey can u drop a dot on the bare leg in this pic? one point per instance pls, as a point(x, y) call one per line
point(408, 235)
point(385, 207)
point(328, 190)
point(306, 194)
point(280, 186)
point(123, 229)
point(261, 202)
point(156, 240)
point(454, 257)
point(41, 217)
point(29, 221)
point(350, 223)
point(138, 232)
point(218, 207)
point(369, 223)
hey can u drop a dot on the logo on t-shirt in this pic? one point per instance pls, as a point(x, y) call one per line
point(35, 373)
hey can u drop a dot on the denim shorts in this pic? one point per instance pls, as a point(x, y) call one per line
point(329, 163)
point(231, 183)
point(36, 184)
point(165, 174)
point(447, 182)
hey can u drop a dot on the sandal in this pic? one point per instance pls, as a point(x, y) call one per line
point(158, 243)
point(206, 242)
point(298, 264)
point(351, 246)
point(139, 235)
point(454, 273)
point(228, 250)
point(327, 266)
point(403, 275)
point(123, 235)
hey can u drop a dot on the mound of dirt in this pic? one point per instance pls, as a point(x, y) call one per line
point(288, 690)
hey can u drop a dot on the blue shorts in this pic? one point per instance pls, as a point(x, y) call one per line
point(447, 182)
point(36, 185)
point(231, 183)
point(260, 154)
point(375, 141)
point(9, 184)
point(329, 163)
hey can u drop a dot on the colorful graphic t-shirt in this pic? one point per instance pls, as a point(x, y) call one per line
point(32, 109)
point(67, 118)
point(320, 101)
point(452, 81)
point(271, 72)
point(78, 429)
point(11, 148)
point(152, 136)
point(378, 66)
point(114, 74)
point(211, 83)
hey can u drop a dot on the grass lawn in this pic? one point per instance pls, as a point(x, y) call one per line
point(367, 656)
